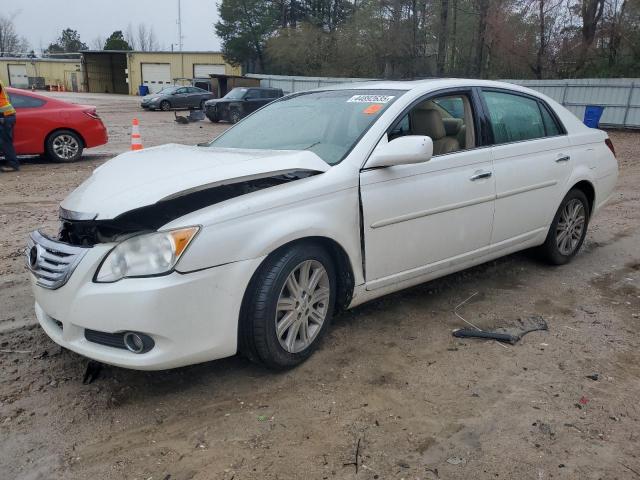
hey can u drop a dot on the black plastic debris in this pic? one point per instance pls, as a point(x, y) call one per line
point(511, 334)
point(92, 372)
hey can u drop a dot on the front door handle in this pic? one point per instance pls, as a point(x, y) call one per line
point(480, 176)
point(563, 158)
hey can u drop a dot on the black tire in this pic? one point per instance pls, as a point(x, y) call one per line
point(550, 250)
point(64, 146)
point(258, 335)
point(234, 116)
point(213, 118)
point(165, 106)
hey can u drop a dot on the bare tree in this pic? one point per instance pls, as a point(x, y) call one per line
point(482, 9)
point(591, 13)
point(146, 39)
point(98, 43)
point(11, 44)
point(443, 37)
point(130, 37)
point(615, 31)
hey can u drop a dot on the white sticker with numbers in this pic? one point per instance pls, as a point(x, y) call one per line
point(371, 99)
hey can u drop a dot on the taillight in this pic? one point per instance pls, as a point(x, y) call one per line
point(93, 114)
point(610, 145)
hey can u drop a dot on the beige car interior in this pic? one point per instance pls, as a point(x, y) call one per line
point(449, 134)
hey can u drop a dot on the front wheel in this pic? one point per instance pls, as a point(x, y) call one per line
point(64, 146)
point(165, 106)
point(234, 116)
point(288, 306)
point(568, 229)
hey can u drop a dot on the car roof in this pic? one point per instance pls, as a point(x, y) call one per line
point(426, 85)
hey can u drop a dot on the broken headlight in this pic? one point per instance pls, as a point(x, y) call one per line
point(145, 255)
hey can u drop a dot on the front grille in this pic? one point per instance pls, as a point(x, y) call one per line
point(115, 340)
point(51, 262)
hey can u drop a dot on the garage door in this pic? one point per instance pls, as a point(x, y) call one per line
point(156, 76)
point(18, 76)
point(202, 70)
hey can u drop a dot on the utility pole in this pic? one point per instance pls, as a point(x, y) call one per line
point(180, 25)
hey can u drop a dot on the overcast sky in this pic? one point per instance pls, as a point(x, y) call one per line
point(41, 21)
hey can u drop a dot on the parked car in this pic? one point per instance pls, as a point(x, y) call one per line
point(239, 103)
point(61, 130)
point(320, 201)
point(176, 98)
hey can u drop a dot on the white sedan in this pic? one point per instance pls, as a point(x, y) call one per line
point(318, 202)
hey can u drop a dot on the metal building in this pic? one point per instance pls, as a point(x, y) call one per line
point(123, 72)
point(41, 73)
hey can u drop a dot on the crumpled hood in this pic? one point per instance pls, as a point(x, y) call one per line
point(137, 179)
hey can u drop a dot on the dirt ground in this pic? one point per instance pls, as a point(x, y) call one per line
point(389, 395)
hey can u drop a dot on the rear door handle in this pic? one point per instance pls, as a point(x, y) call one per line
point(563, 158)
point(480, 176)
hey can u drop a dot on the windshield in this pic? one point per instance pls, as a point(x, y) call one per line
point(326, 123)
point(167, 90)
point(236, 93)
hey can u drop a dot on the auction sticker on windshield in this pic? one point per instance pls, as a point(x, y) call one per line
point(371, 99)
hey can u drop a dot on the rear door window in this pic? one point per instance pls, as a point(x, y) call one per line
point(514, 118)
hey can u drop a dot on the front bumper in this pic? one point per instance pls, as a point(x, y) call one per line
point(191, 317)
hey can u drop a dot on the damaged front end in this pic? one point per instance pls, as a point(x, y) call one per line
point(86, 230)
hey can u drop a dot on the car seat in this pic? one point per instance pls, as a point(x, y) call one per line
point(429, 122)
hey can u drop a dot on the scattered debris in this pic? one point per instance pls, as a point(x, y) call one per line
point(456, 460)
point(506, 334)
point(356, 460)
point(593, 377)
point(630, 469)
point(584, 400)
point(92, 372)
point(194, 116)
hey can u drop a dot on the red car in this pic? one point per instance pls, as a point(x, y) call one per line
point(61, 130)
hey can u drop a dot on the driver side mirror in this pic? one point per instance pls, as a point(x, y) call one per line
point(402, 151)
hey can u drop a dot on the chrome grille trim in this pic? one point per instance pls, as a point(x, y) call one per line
point(50, 261)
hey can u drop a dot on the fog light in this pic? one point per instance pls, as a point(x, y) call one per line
point(137, 342)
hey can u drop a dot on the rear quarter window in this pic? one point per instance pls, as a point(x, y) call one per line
point(23, 101)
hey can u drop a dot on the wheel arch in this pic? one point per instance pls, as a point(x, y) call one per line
point(344, 268)
point(586, 187)
point(344, 278)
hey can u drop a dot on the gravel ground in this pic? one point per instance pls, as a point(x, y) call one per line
point(389, 395)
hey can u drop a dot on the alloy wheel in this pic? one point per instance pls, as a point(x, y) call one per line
point(302, 306)
point(65, 146)
point(570, 227)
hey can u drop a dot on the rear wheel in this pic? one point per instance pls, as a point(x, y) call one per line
point(165, 105)
point(568, 229)
point(288, 306)
point(64, 146)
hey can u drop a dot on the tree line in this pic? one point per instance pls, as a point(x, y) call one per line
point(424, 38)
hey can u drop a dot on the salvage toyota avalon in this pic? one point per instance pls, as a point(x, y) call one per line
point(319, 201)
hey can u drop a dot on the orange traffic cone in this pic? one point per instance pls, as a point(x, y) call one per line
point(136, 140)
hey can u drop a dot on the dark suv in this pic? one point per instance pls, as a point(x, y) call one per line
point(239, 103)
